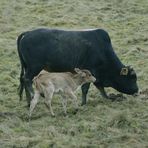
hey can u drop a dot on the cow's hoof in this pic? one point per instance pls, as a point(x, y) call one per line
point(83, 103)
point(75, 111)
point(28, 105)
point(53, 115)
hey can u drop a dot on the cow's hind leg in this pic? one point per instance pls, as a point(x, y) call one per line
point(84, 89)
point(28, 82)
point(28, 90)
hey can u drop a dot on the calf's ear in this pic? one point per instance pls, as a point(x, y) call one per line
point(77, 70)
point(83, 74)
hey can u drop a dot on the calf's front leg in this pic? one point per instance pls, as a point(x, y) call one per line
point(74, 99)
point(64, 103)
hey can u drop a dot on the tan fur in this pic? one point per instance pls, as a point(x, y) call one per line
point(49, 83)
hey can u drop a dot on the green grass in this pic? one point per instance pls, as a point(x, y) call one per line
point(101, 123)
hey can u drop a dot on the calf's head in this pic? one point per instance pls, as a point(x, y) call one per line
point(126, 81)
point(85, 75)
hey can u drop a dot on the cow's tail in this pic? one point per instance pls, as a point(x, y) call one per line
point(21, 86)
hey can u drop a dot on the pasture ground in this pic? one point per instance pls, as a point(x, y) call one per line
point(101, 123)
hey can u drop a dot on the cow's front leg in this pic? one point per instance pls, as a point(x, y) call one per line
point(84, 89)
point(103, 93)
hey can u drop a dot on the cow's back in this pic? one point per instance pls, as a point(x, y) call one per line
point(59, 50)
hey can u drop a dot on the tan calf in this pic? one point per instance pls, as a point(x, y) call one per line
point(49, 83)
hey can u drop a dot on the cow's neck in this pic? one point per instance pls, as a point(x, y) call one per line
point(114, 62)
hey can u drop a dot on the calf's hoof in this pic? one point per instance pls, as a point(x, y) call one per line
point(65, 114)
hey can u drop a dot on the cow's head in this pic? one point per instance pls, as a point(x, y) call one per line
point(126, 81)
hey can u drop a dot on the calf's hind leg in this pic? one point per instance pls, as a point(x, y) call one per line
point(64, 103)
point(48, 93)
point(34, 102)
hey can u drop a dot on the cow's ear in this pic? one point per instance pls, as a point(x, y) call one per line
point(124, 71)
point(132, 72)
point(77, 70)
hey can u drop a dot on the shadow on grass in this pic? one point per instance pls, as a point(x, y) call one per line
point(23, 117)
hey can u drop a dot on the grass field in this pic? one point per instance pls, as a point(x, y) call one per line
point(101, 123)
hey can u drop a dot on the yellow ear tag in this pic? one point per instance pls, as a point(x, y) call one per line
point(124, 71)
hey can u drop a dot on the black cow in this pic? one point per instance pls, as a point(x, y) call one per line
point(59, 51)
